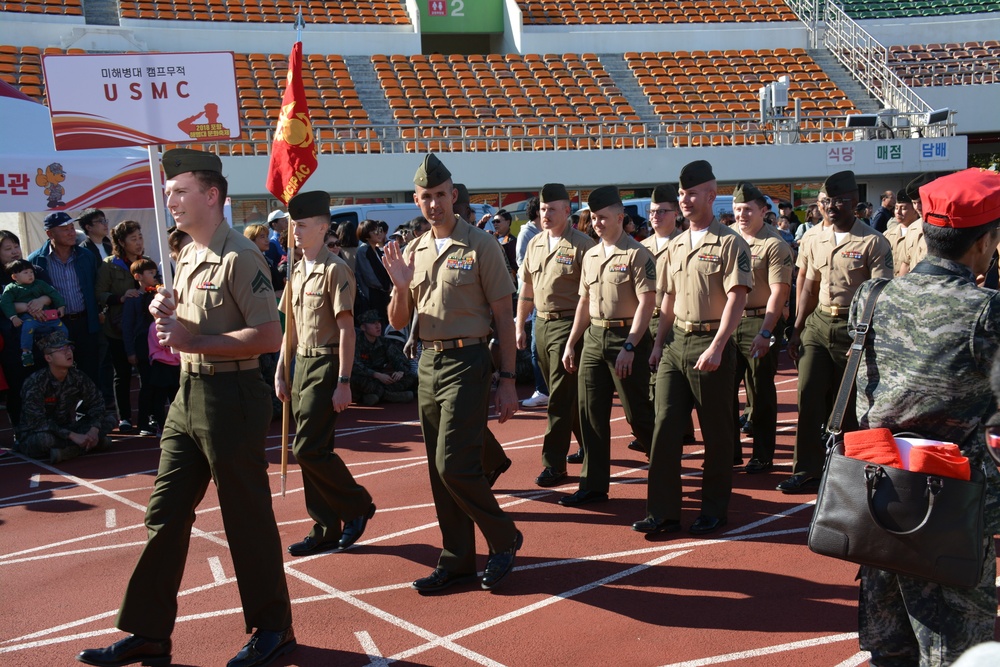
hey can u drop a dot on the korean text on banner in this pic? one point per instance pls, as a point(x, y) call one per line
point(293, 152)
point(141, 99)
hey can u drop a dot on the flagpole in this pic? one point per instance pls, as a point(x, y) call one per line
point(286, 406)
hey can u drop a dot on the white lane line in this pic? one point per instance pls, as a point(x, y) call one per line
point(73, 540)
point(75, 552)
point(858, 658)
point(533, 607)
point(785, 513)
point(54, 498)
point(392, 619)
point(216, 566)
point(110, 519)
point(370, 649)
point(766, 650)
point(35, 480)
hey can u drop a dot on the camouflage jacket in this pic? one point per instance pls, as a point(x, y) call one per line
point(927, 361)
point(378, 357)
point(52, 406)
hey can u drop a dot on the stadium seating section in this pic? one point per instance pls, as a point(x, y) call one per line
point(947, 64)
point(267, 11)
point(67, 7)
point(718, 86)
point(662, 11)
point(888, 9)
point(21, 67)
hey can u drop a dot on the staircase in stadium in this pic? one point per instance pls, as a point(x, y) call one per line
point(369, 90)
point(841, 76)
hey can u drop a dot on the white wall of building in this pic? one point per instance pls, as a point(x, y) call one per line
point(935, 30)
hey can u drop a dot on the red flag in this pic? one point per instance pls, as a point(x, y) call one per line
point(293, 152)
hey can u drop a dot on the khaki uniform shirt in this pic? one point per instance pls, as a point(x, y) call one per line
point(554, 275)
point(661, 256)
point(900, 245)
point(841, 268)
point(700, 278)
point(808, 237)
point(226, 289)
point(916, 246)
point(614, 283)
point(318, 297)
point(771, 262)
point(453, 290)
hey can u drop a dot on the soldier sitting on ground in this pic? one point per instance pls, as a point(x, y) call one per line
point(63, 415)
point(381, 371)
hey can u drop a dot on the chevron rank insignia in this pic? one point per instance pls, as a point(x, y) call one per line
point(261, 283)
point(888, 260)
point(743, 262)
point(651, 269)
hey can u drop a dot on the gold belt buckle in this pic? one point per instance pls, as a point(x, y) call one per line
point(439, 346)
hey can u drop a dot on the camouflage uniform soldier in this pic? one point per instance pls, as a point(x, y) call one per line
point(926, 370)
point(374, 356)
point(50, 428)
point(837, 261)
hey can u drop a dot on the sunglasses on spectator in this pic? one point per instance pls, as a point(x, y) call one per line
point(333, 244)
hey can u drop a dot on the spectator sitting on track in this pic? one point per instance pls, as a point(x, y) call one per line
point(24, 289)
point(381, 372)
point(63, 414)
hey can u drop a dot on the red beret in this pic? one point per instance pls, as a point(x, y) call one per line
point(968, 198)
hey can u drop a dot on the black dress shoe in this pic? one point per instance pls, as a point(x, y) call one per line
point(800, 482)
point(355, 528)
point(575, 457)
point(746, 426)
point(550, 477)
point(756, 466)
point(706, 524)
point(582, 497)
point(637, 446)
point(264, 646)
point(310, 545)
point(500, 564)
point(440, 579)
point(495, 475)
point(651, 526)
point(132, 649)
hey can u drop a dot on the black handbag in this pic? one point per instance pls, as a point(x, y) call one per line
point(918, 525)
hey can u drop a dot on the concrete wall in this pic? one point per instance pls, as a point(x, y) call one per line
point(368, 174)
point(935, 30)
point(978, 107)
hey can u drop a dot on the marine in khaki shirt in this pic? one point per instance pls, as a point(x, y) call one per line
point(550, 282)
point(320, 333)
point(757, 360)
point(836, 262)
point(705, 290)
point(456, 279)
point(902, 235)
point(612, 317)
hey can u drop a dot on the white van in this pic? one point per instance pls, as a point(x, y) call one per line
point(392, 214)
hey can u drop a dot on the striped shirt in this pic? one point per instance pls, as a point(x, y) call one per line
point(66, 282)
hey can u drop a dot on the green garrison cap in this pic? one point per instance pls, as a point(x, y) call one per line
point(746, 192)
point(841, 183)
point(553, 192)
point(463, 194)
point(431, 172)
point(696, 173)
point(309, 204)
point(664, 194)
point(603, 198)
point(368, 317)
point(179, 160)
point(913, 187)
point(54, 341)
point(903, 197)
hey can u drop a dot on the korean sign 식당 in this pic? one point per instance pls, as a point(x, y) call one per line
point(140, 99)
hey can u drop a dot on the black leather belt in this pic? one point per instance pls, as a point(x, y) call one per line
point(453, 343)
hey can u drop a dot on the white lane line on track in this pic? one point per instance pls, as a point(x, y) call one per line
point(858, 658)
point(370, 648)
point(75, 552)
point(766, 650)
point(493, 622)
point(54, 498)
point(73, 540)
point(218, 574)
point(70, 486)
point(110, 518)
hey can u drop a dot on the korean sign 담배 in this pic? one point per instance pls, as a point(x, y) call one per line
point(141, 99)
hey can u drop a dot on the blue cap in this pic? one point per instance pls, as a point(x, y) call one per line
point(57, 219)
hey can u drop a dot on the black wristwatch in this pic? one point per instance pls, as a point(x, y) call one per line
point(507, 375)
point(344, 379)
point(628, 347)
point(765, 334)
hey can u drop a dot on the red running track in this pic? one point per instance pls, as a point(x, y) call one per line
point(587, 590)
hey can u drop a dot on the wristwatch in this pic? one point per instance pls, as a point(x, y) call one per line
point(507, 375)
point(765, 334)
point(628, 347)
point(344, 379)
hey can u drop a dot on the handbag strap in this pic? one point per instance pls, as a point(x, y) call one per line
point(854, 359)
